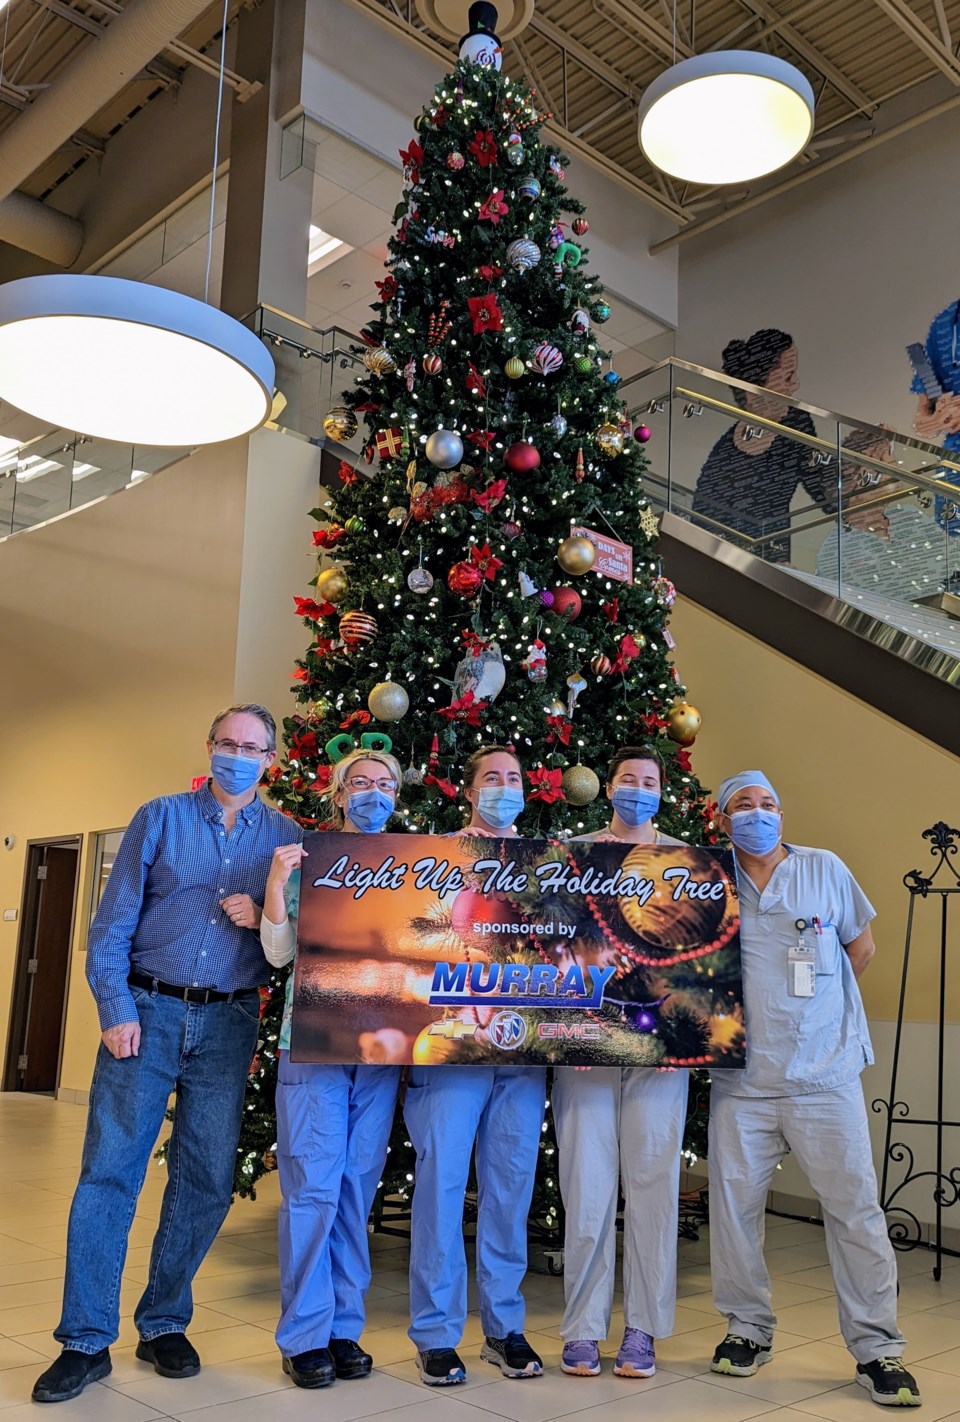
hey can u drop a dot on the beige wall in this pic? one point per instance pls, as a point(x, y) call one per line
point(122, 629)
point(850, 779)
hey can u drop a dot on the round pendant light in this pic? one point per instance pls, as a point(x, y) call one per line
point(726, 117)
point(124, 361)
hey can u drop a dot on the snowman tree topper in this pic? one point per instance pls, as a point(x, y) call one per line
point(481, 45)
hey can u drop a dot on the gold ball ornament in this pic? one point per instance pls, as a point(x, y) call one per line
point(610, 439)
point(332, 584)
point(514, 368)
point(683, 723)
point(555, 707)
point(388, 701)
point(432, 1050)
point(580, 784)
point(380, 361)
point(666, 926)
point(340, 423)
point(577, 555)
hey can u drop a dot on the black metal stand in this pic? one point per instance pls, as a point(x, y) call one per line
point(905, 1230)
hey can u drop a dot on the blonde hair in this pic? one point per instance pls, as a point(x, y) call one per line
point(338, 780)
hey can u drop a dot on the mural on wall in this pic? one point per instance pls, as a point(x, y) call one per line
point(752, 473)
point(936, 381)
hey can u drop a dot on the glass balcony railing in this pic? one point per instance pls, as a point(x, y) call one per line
point(56, 472)
point(870, 516)
point(313, 367)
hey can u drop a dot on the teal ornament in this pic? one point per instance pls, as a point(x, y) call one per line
point(612, 379)
point(515, 157)
point(529, 188)
point(601, 312)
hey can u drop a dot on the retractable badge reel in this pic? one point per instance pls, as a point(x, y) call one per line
point(802, 964)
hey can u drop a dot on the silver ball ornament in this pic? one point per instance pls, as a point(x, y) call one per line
point(559, 426)
point(419, 580)
point(444, 449)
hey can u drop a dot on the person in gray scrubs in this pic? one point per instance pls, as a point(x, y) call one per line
point(804, 939)
point(618, 1125)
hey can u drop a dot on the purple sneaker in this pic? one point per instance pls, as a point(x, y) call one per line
point(581, 1358)
point(636, 1358)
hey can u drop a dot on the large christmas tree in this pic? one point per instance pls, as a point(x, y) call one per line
point(456, 602)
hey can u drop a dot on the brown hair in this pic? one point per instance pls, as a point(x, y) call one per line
point(472, 763)
point(625, 753)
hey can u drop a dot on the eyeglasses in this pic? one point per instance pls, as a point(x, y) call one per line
point(360, 782)
point(245, 748)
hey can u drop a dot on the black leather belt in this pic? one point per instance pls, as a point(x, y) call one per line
point(186, 994)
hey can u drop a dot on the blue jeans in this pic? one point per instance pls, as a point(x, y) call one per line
point(203, 1053)
point(333, 1128)
point(446, 1110)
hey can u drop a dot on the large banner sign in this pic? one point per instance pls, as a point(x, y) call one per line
point(426, 949)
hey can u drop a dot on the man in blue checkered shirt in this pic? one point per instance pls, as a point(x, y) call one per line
point(174, 962)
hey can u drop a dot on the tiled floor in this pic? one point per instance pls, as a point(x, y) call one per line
point(236, 1294)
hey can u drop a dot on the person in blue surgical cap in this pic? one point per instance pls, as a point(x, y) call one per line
point(805, 939)
point(449, 1108)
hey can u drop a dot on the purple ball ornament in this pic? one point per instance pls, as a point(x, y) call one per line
point(546, 597)
point(642, 433)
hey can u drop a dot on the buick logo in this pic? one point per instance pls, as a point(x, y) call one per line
point(508, 1030)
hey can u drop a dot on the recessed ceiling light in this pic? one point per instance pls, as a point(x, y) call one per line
point(323, 250)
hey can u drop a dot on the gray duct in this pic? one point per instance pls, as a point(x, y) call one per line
point(104, 68)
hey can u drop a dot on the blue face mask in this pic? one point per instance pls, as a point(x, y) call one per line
point(369, 810)
point(755, 831)
point(635, 806)
point(500, 805)
point(235, 774)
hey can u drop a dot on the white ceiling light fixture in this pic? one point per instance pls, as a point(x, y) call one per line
point(726, 117)
point(125, 361)
point(323, 250)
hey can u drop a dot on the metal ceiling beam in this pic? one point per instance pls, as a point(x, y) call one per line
point(655, 35)
point(925, 40)
point(944, 23)
point(695, 229)
point(536, 74)
point(611, 77)
point(811, 54)
point(243, 88)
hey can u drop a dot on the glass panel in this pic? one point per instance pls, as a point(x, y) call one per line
point(105, 846)
point(313, 368)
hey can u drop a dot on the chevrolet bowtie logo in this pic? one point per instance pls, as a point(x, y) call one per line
point(453, 1029)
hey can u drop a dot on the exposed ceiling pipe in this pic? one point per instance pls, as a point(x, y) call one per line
point(99, 73)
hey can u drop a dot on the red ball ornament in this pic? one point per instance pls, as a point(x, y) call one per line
point(642, 433)
point(357, 628)
point(465, 579)
point(522, 458)
point(567, 603)
point(580, 226)
point(601, 665)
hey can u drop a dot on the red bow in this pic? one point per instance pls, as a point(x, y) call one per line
point(612, 609)
point(485, 561)
point(327, 537)
point(484, 148)
point(444, 786)
point(494, 208)
point(306, 607)
point(545, 785)
point(683, 760)
point(491, 496)
point(368, 405)
point(467, 710)
point(301, 674)
point(347, 473)
point(490, 273)
point(560, 729)
point(483, 439)
point(324, 646)
point(356, 718)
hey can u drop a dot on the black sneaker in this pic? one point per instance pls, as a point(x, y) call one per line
point(441, 1367)
point(312, 1369)
point(172, 1355)
point(349, 1359)
point(739, 1357)
point(888, 1382)
point(512, 1355)
point(69, 1375)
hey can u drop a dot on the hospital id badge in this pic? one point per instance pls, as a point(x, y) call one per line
point(802, 965)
